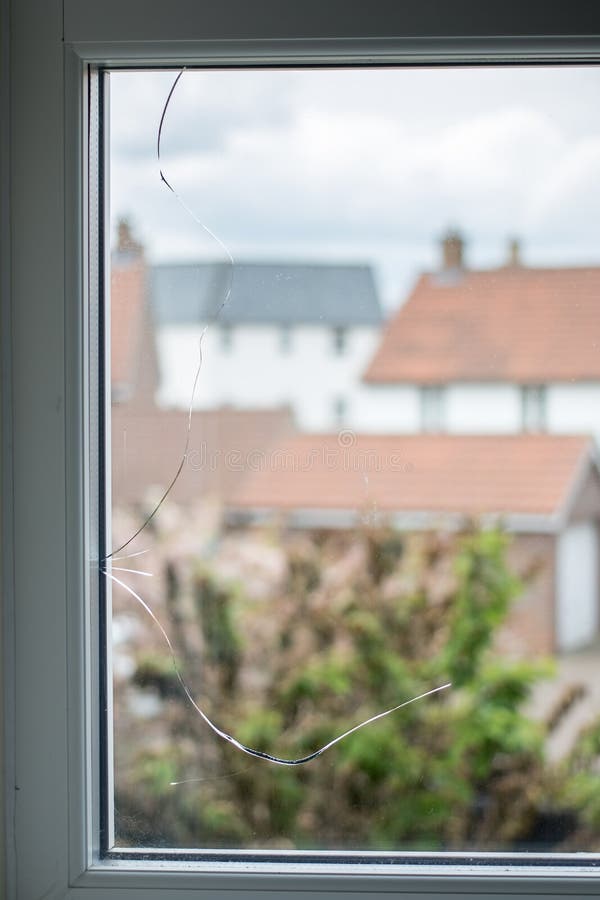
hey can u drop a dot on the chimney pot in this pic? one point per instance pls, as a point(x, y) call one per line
point(453, 247)
point(126, 243)
point(514, 252)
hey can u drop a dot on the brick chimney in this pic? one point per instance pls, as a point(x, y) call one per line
point(453, 247)
point(126, 243)
point(513, 258)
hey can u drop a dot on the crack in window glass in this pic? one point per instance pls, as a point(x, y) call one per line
point(109, 558)
point(259, 754)
point(348, 512)
point(216, 315)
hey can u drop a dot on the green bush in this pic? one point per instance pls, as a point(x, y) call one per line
point(461, 769)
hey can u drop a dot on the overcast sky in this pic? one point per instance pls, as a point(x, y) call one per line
point(361, 165)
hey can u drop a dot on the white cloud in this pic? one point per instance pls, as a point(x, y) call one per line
point(383, 161)
point(567, 200)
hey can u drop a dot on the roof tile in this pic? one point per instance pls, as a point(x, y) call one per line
point(513, 324)
point(511, 474)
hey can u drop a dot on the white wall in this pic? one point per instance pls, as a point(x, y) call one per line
point(386, 409)
point(574, 408)
point(464, 408)
point(577, 586)
point(311, 376)
point(481, 408)
point(256, 373)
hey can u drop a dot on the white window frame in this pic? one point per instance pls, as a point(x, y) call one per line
point(49, 681)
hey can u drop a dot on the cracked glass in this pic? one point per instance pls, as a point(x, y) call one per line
point(353, 569)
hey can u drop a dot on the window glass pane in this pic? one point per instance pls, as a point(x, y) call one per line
point(432, 408)
point(534, 408)
point(353, 423)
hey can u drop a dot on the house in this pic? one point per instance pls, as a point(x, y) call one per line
point(147, 441)
point(280, 334)
point(499, 351)
point(545, 489)
point(470, 378)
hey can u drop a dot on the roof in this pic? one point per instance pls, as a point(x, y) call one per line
point(265, 293)
point(512, 324)
point(223, 444)
point(126, 311)
point(530, 475)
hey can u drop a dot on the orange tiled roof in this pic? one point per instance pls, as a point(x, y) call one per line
point(512, 474)
point(127, 305)
point(147, 448)
point(515, 323)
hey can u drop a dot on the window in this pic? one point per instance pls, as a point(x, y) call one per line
point(243, 680)
point(226, 337)
point(340, 338)
point(52, 790)
point(533, 406)
point(285, 339)
point(340, 411)
point(432, 408)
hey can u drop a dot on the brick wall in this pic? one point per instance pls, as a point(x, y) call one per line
point(529, 629)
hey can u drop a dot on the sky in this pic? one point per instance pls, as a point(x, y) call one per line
point(360, 165)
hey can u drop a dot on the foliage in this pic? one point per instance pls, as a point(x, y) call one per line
point(577, 787)
point(356, 624)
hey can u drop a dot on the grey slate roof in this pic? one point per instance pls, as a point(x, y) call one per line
point(265, 293)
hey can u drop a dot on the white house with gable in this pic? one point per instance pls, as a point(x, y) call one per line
point(506, 353)
point(497, 351)
point(278, 334)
